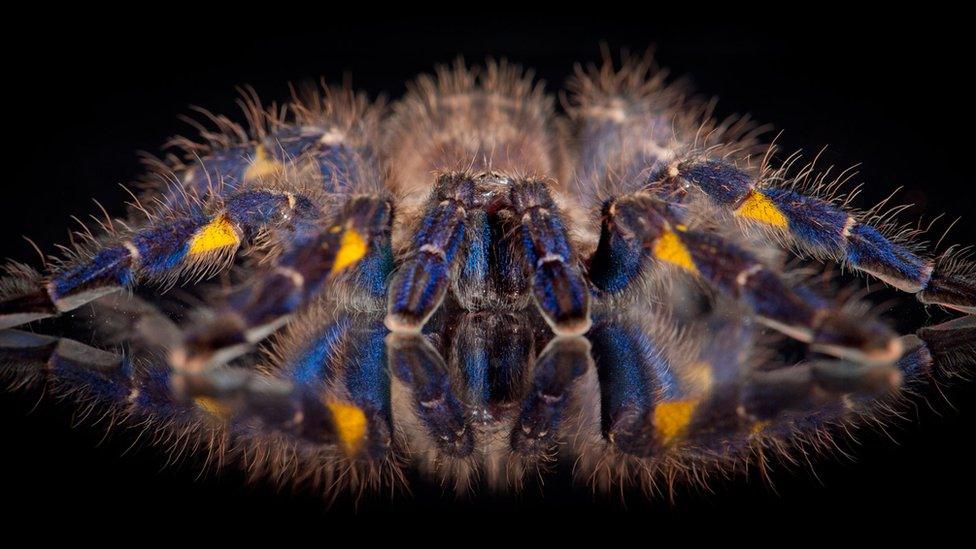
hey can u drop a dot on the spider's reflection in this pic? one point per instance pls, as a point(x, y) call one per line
point(478, 398)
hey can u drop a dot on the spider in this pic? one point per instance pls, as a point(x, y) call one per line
point(472, 211)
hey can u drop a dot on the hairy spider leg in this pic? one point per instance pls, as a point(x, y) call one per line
point(104, 373)
point(320, 149)
point(558, 286)
point(647, 409)
point(415, 362)
point(420, 284)
point(221, 173)
point(544, 406)
point(70, 369)
point(334, 390)
point(350, 352)
point(638, 227)
point(821, 228)
point(634, 374)
point(312, 257)
point(197, 244)
point(328, 148)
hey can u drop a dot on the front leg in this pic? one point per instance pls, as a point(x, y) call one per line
point(311, 259)
point(558, 285)
point(420, 284)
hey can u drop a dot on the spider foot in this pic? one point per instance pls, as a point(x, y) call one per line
point(952, 285)
point(24, 305)
point(556, 369)
point(415, 362)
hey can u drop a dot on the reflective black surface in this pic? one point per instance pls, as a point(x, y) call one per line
point(648, 402)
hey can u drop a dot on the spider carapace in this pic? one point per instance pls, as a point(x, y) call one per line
point(471, 273)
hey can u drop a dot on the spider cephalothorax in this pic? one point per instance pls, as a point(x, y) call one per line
point(472, 196)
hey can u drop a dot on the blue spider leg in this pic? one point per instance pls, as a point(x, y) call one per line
point(220, 173)
point(70, 369)
point(634, 375)
point(227, 169)
point(249, 403)
point(334, 390)
point(314, 254)
point(637, 227)
point(420, 284)
point(197, 243)
point(417, 364)
point(102, 373)
point(556, 369)
point(558, 286)
point(474, 273)
point(366, 380)
point(776, 403)
point(340, 165)
point(822, 228)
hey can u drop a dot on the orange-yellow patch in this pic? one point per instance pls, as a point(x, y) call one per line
point(350, 424)
point(758, 207)
point(671, 419)
point(352, 248)
point(669, 248)
point(219, 233)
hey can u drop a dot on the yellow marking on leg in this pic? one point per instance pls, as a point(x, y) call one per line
point(758, 207)
point(217, 234)
point(668, 247)
point(213, 406)
point(263, 165)
point(350, 424)
point(672, 418)
point(352, 248)
point(758, 427)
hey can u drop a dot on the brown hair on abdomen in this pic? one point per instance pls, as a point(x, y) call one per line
point(497, 119)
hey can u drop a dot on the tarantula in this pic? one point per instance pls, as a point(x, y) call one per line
point(472, 195)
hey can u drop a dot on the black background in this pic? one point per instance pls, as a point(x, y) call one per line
point(85, 97)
